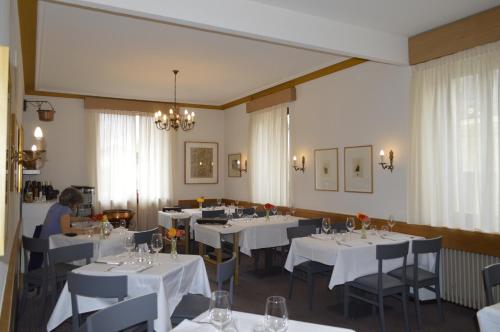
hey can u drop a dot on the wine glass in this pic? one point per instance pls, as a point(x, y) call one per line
point(276, 316)
point(156, 244)
point(274, 210)
point(391, 222)
point(220, 309)
point(366, 223)
point(130, 244)
point(237, 203)
point(350, 225)
point(239, 212)
point(325, 225)
point(383, 231)
point(255, 215)
point(123, 224)
point(292, 210)
point(142, 252)
point(219, 201)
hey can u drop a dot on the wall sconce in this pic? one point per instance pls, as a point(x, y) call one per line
point(384, 165)
point(297, 168)
point(26, 157)
point(242, 169)
point(43, 114)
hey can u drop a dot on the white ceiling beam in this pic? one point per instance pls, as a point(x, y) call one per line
point(264, 22)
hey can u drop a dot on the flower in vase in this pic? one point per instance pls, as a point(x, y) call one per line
point(200, 199)
point(174, 233)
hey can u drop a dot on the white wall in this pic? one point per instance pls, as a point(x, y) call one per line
point(366, 104)
point(65, 140)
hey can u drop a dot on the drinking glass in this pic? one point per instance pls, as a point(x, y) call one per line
point(123, 224)
point(274, 210)
point(391, 222)
point(367, 223)
point(325, 225)
point(130, 244)
point(237, 203)
point(383, 231)
point(142, 252)
point(219, 201)
point(156, 244)
point(90, 232)
point(239, 212)
point(219, 310)
point(255, 215)
point(373, 230)
point(350, 225)
point(276, 316)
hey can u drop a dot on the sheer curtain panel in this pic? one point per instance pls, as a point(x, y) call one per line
point(454, 166)
point(269, 156)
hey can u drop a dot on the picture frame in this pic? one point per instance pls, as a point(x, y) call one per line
point(201, 162)
point(233, 167)
point(326, 169)
point(358, 169)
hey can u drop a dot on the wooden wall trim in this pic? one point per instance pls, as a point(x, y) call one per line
point(280, 97)
point(7, 315)
point(475, 242)
point(469, 32)
point(136, 105)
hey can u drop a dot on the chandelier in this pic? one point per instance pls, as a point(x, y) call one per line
point(174, 119)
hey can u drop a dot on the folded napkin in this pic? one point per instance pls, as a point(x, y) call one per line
point(130, 268)
point(110, 260)
point(321, 236)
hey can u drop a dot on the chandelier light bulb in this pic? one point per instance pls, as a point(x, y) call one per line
point(33, 148)
point(38, 133)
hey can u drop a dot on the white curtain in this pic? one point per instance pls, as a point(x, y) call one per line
point(269, 165)
point(454, 166)
point(133, 164)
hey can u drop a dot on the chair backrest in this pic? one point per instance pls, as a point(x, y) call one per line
point(94, 286)
point(71, 253)
point(225, 271)
point(144, 236)
point(213, 213)
point(123, 315)
point(261, 213)
point(339, 226)
point(316, 222)
point(40, 246)
point(391, 251)
point(491, 278)
point(248, 211)
point(300, 231)
point(427, 246)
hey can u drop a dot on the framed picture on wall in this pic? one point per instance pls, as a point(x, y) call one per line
point(201, 162)
point(326, 169)
point(233, 165)
point(358, 169)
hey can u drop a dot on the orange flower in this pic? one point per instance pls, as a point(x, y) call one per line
point(171, 233)
point(362, 217)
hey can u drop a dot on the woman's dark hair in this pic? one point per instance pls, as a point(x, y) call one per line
point(70, 197)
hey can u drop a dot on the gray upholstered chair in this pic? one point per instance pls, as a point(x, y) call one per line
point(213, 213)
point(114, 287)
point(144, 236)
point(491, 278)
point(382, 284)
point(309, 268)
point(419, 278)
point(125, 314)
point(316, 222)
point(192, 305)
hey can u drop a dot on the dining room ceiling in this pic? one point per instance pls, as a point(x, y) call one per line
point(90, 52)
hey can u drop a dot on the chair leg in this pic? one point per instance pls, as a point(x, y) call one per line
point(290, 285)
point(310, 286)
point(438, 300)
point(381, 312)
point(417, 306)
point(346, 299)
point(404, 299)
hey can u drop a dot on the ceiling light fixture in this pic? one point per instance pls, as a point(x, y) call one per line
point(174, 119)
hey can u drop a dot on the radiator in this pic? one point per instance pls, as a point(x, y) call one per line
point(462, 279)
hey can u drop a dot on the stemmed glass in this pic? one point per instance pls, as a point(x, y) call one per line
point(276, 317)
point(130, 244)
point(391, 222)
point(325, 225)
point(237, 203)
point(292, 210)
point(255, 215)
point(220, 309)
point(219, 201)
point(156, 245)
point(239, 212)
point(274, 210)
point(350, 226)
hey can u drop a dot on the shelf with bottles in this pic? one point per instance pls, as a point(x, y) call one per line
point(39, 191)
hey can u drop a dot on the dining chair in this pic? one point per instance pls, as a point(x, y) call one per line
point(144, 236)
point(114, 287)
point(419, 278)
point(213, 213)
point(381, 284)
point(246, 212)
point(192, 305)
point(60, 260)
point(125, 314)
point(491, 278)
point(309, 268)
point(316, 222)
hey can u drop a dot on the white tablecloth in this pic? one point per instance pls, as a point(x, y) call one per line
point(165, 218)
point(489, 318)
point(113, 245)
point(351, 262)
point(255, 233)
point(170, 281)
point(245, 322)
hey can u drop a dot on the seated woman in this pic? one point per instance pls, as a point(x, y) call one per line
point(60, 215)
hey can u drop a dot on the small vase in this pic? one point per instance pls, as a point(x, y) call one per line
point(267, 215)
point(200, 205)
point(173, 249)
point(363, 231)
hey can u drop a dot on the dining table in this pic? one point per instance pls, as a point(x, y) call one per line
point(167, 219)
point(248, 322)
point(170, 278)
point(489, 318)
point(351, 255)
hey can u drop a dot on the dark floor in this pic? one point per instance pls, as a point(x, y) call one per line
point(252, 291)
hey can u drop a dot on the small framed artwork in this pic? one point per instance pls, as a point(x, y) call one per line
point(233, 165)
point(201, 162)
point(326, 169)
point(358, 169)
